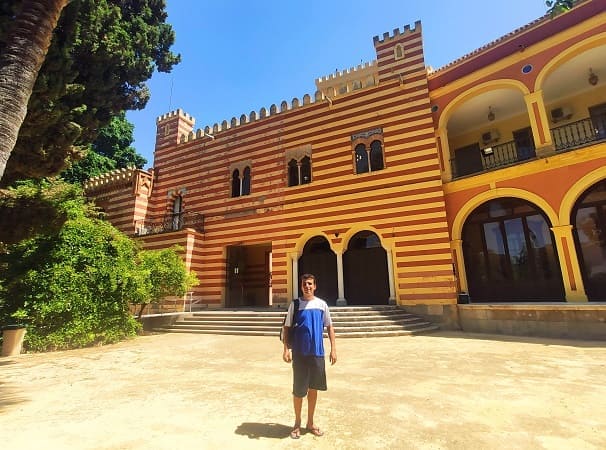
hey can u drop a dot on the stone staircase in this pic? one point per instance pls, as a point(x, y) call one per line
point(349, 321)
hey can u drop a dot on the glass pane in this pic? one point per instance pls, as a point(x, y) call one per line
point(235, 183)
point(246, 182)
point(474, 253)
point(293, 173)
point(542, 248)
point(376, 156)
point(497, 262)
point(361, 159)
point(305, 170)
point(593, 244)
point(518, 251)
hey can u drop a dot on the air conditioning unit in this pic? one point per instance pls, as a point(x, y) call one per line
point(561, 113)
point(490, 137)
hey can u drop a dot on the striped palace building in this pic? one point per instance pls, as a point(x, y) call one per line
point(473, 195)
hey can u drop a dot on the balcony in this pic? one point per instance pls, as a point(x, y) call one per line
point(489, 158)
point(169, 223)
point(580, 133)
point(473, 160)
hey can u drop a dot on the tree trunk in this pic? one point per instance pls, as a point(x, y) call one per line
point(27, 44)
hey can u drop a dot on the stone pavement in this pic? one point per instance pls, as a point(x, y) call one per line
point(187, 391)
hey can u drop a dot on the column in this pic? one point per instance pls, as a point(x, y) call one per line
point(444, 154)
point(341, 301)
point(294, 259)
point(539, 123)
point(392, 291)
point(456, 247)
point(569, 264)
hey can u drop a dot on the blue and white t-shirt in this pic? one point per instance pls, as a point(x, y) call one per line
point(313, 316)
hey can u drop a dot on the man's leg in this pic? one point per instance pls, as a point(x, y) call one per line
point(297, 403)
point(312, 399)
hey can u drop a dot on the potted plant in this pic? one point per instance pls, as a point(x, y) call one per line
point(12, 339)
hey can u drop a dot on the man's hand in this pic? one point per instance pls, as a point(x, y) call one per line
point(333, 357)
point(286, 356)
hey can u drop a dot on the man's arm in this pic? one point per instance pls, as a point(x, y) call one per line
point(333, 345)
point(286, 355)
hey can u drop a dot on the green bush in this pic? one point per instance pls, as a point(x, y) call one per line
point(72, 284)
point(72, 288)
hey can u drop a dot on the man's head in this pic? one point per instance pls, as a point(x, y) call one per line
point(308, 286)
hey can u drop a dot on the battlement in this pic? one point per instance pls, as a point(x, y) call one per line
point(347, 72)
point(112, 179)
point(176, 113)
point(263, 113)
point(397, 34)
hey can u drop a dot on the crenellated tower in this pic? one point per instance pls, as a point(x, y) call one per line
point(400, 54)
point(172, 128)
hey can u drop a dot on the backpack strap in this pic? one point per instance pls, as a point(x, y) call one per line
point(295, 312)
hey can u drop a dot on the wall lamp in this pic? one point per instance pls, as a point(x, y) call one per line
point(491, 115)
point(593, 78)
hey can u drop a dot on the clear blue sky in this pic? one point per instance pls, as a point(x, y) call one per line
point(240, 56)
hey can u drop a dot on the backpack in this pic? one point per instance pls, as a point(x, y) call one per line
point(291, 334)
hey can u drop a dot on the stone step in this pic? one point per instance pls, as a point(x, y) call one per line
point(365, 321)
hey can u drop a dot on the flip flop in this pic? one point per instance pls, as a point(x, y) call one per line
point(315, 431)
point(295, 433)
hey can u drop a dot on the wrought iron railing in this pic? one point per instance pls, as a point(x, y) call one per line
point(169, 222)
point(579, 133)
point(490, 158)
point(565, 137)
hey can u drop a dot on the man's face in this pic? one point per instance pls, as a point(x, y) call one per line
point(308, 287)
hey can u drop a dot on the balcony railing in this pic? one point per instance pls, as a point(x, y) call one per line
point(491, 158)
point(579, 133)
point(169, 222)
point(566, 137)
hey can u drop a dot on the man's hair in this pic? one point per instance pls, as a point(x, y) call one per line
point(308, 276)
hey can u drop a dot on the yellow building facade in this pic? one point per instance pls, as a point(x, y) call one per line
point(448, 192)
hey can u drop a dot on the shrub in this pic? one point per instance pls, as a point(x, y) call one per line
point(72, 289)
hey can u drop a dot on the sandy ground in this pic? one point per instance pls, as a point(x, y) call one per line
point(190, 391)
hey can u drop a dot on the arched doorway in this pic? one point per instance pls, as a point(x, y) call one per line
point(589, 220)
point(366, 281)
point(510, 254)
point(320, 260)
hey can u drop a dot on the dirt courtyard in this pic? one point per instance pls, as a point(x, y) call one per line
point(193, 391)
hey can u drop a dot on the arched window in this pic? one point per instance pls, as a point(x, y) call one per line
point(376, 156)
point(298, 165)
point(361, 159)
point(399, 51)
point(510, 254)
point(305, 170)
point(293, 173)
point(589, 220)
point(177, 215)
point(235, 183)
point(368, 151)
point(246, 181)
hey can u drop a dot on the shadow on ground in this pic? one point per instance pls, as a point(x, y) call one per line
point(569, 342)
point(8, 397)
point(255, 430)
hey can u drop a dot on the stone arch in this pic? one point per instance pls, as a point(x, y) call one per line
point(477, 90)
point(473, 203)
point(566, 55)
point(576, 190)
point(320, 259)
point(306, 236)
point(509, 252)
point(386, 243)
point(366, 277)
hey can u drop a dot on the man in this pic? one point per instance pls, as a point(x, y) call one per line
point(309, 373)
